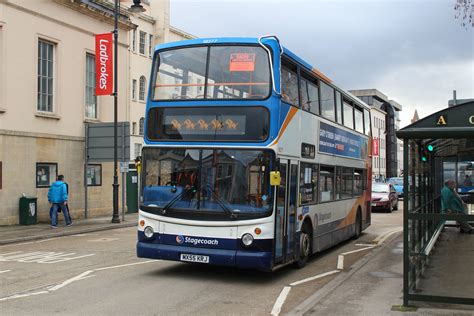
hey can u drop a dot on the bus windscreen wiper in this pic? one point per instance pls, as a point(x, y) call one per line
point(221, 203)
point(177, 198)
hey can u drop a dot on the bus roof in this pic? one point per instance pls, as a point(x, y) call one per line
point(254, 40)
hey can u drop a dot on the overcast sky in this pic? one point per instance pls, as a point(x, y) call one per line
point(413, 51)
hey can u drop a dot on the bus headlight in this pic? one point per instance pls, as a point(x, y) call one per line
point(247, 240)
point(148, 231)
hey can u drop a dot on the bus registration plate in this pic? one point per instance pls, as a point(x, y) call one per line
point(194, 258)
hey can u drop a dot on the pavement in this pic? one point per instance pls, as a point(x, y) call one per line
point(24, 233)
point(372, 286)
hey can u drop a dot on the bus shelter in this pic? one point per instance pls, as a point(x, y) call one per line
point(438, 258)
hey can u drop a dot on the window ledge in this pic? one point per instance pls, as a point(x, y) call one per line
point(48, 115)
point(91, 120)
point(2, 110)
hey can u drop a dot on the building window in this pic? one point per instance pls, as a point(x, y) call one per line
point(150, 45)
point(91, 98)
point(134, 41)
point(142, 42)
point(327, 102)
point(45, 76)
point(46, 174)
point(134, 89)
point(94, 175)
point(140, 126)
point(134, 128)
point(137, 149)
point(141, 92)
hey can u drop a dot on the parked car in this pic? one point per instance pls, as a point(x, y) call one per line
point(398, 185)
point(384, 197)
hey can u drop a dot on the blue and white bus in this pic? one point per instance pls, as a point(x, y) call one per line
point(252, 157)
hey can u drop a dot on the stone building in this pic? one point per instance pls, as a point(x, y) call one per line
point(47, 78)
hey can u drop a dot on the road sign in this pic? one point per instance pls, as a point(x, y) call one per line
point(100, 141)
point(123, 166)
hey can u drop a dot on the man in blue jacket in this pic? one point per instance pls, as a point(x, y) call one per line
point(57, 196)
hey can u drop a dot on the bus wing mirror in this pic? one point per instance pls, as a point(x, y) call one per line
point(275, 178)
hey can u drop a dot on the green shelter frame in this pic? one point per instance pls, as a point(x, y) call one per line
point(428, 145)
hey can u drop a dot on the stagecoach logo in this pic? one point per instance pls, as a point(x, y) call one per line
point(179, 239)
point(196, 241)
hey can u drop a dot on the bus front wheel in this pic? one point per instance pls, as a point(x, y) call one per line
point(305, 245)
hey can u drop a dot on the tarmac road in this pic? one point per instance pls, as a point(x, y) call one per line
point(98, 273)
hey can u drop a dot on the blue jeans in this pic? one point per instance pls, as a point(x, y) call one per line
point(54, 217)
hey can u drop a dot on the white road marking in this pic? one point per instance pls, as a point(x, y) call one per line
point(286, 290)
point(125, 265)
point(22, 295)
point(280, 300)
point(4, 271)
point(365, 245)
point(340, 258)
point(380, 239)
point(68, 281)
point(322, 275)
point(79, 277)
point(340, 262)
point(9, 253)
point(40, 256)
point(103, 240)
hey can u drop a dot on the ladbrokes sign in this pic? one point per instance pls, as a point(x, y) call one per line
point(103, 64)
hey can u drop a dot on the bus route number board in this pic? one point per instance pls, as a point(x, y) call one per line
point(194, 258)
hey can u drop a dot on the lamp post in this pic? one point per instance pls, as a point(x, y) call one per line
point(136, 7)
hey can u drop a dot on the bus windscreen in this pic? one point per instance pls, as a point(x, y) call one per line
point(212, 72)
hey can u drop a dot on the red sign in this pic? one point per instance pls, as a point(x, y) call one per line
point(375, 147)
point(242, 62)
point(104, 76)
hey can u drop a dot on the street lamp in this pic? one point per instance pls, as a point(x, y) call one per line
point(136, 7)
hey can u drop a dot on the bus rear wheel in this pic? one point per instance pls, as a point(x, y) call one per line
point(305, 246)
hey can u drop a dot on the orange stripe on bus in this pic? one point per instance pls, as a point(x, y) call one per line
point(321, 75)
point(287, 121)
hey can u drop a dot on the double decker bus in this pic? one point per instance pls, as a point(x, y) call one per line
point(252, 157)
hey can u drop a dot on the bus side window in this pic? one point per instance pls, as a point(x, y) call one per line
point(308, 183)
point(326, 183)
point(289, 84)
point(327, 102)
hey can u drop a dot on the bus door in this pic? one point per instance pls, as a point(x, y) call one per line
point(285, 223)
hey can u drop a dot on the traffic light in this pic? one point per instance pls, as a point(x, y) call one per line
point(138, 163)
point(425, 152)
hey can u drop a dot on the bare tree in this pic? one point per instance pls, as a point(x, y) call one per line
point(464, 9)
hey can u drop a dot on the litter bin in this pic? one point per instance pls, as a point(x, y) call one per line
point(28, 210)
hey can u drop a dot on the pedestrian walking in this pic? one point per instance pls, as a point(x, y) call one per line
point(452, 203)
point(58, 197)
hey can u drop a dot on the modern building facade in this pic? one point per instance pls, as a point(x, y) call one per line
point(379, 101)
point(47, 94)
